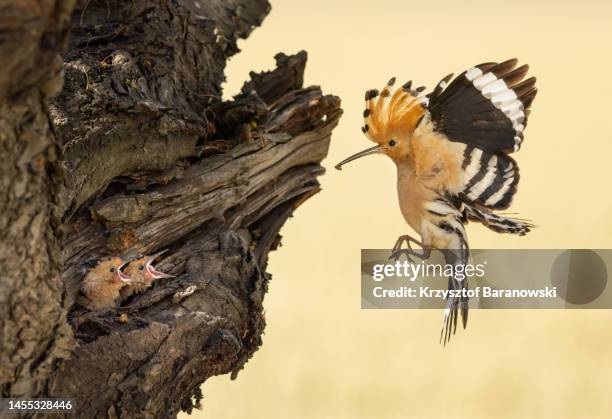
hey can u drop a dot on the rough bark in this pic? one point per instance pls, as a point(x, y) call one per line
point(33, 328)
point(150, 158)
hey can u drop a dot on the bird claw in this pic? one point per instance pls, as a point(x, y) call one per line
point(400, 241)
point(407, 239)
point(397, 253)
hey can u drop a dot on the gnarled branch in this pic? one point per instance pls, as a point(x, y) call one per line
point(153, 158)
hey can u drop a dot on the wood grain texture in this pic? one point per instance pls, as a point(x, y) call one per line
point(138, 152)
point(33, 328)
point(147, 156)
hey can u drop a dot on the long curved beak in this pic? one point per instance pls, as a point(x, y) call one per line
point(366, 152)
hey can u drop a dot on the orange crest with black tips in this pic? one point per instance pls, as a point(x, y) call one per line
point(393, 112)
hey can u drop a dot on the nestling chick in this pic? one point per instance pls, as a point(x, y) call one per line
point(103, 283)
point(143, 273)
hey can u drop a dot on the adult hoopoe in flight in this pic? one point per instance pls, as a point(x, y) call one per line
point(452, 151)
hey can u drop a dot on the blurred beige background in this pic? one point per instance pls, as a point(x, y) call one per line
point(347, 363)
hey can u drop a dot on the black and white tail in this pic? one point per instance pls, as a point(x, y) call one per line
point(455, 305)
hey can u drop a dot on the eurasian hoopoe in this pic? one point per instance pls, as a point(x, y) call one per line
point(142, 271)
point(451, 148)
point(103, 283)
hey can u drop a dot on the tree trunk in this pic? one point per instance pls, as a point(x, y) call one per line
point(150, 157)
point(33, 327)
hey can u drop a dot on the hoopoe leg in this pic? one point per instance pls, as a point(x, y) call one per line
point(397, 250)
point(423, 255)
point(405, 238)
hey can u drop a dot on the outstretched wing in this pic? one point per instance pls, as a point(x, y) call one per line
point(486, 106)
point(486, 109)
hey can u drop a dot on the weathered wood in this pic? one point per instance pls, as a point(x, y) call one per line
point(33, 328)
point(153, 158)
point(219, 219)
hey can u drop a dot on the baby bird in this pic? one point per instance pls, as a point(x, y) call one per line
point(143, 272)
point(103, 283)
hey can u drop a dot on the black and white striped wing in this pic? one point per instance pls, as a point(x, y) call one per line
point(497, 223)
point(486, 106)
point(488, 179)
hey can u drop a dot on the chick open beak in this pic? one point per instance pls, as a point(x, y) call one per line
point(154, 272)
point(366, 152)
point(123, 277)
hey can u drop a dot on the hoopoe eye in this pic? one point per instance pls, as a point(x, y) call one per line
point(392, 143)
point(112, 269)
point(141, 267)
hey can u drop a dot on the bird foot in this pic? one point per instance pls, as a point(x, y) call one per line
point(407, 239)
point(396, 254)
point(398, 251)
